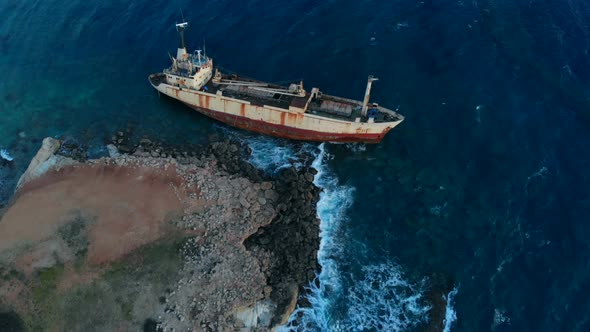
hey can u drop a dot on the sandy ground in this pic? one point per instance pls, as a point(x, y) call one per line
point(125, 206)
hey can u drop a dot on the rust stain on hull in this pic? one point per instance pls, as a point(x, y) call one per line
point(288, 132)
point(291, 124)
point(293, 117)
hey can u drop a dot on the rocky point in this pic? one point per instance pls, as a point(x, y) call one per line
point(155, 238)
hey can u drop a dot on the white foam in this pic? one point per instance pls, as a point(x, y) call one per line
point(541, 174)
point(385, 301)
point(500, 317)
point(356, 147)
point(269, 155)
point(478, 110)
point(379, 298)
point(5, 155)
point(401, 25)
point(331, 208)
point(450, 313)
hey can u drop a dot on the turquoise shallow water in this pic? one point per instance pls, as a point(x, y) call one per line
point(485, 185)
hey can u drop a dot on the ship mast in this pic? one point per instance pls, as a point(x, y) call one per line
point(368, 94)
point(181, 53)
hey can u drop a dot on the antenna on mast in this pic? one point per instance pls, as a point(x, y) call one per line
point(204, 49)
point(180, 28)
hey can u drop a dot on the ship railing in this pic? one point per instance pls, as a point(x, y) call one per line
point(177, 73)
point(198, 62)
point(241, 83)
point(279, 91)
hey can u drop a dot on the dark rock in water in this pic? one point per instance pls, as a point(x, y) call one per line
point(229, 156)
point(97, 152)
point(213, 138)
point(11, 322)
point(145, 142)
point(125, 149)
point(151, 325)
point(436, 296)
point(10, 98)
point(292, 239)
point(73, 148)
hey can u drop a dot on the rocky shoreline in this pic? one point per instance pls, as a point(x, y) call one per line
point(287, 247)
point(246, 242)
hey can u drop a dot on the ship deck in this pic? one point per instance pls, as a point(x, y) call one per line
point(325, 106)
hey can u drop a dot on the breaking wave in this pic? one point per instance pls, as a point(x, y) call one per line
point(379, 299)
point(450, 313)
point(385, 301)
point(5, 155)
point(334, 201)
point(356, 147)
point(269, 155)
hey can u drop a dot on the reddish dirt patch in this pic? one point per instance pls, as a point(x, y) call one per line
point(129, 205)
point(43, 255)
point(16, 294)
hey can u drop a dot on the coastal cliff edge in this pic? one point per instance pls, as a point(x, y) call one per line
point(156, 239)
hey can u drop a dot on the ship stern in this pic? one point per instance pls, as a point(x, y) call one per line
point(157, 79)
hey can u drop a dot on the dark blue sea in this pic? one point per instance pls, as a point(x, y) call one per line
point(482, 195)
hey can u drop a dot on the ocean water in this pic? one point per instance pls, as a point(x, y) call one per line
point(481, 195)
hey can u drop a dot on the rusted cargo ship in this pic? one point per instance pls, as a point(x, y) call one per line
point(289, 112)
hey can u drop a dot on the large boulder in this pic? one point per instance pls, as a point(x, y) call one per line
point(43, 161)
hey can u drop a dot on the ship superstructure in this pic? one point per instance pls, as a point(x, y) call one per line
point(289, 112)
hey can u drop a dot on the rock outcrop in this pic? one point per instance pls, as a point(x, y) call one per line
point(42, 162)
point(172, 238)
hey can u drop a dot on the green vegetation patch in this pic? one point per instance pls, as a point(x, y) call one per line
point(44, 291)
point(90, 307)
point(124, 294)
point(154, 263)
point(47, 281)
point(8, 273)
point(75, 234)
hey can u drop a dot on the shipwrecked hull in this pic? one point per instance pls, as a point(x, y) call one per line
point(275, 121)
point(283, 131)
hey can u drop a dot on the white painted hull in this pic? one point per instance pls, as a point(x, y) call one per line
point(278, 121)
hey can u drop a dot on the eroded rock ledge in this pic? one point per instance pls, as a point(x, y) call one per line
point(156, 238)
